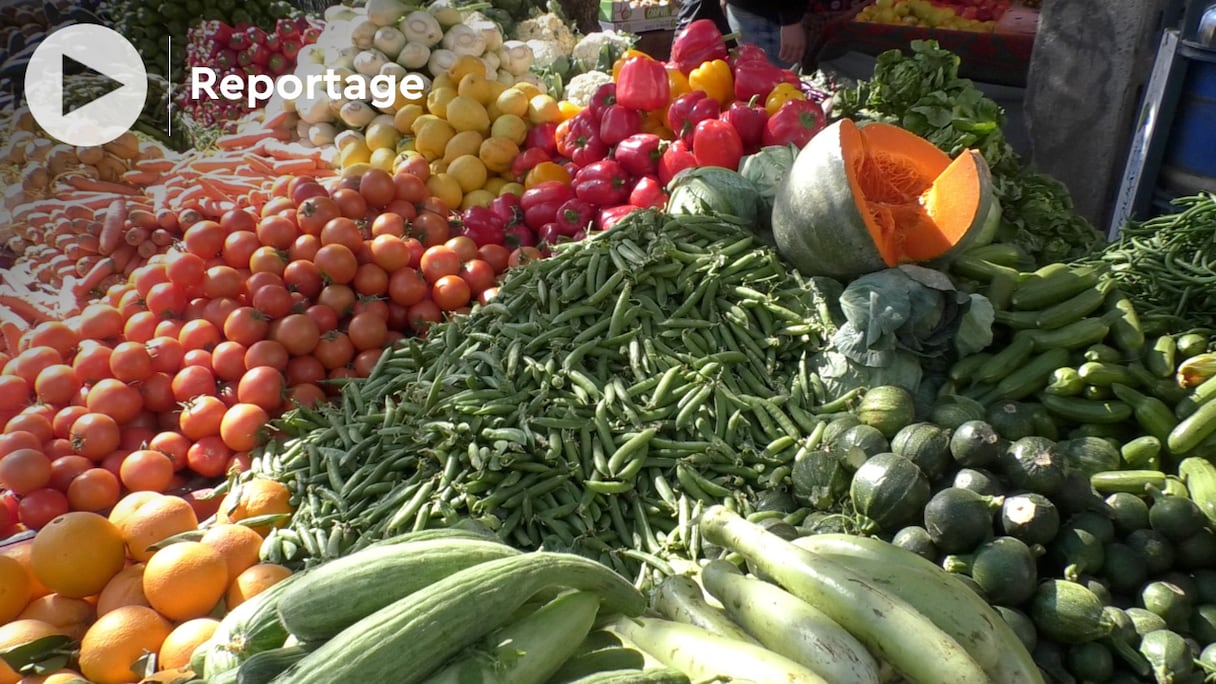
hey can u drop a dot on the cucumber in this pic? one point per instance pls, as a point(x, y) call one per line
point(1047, 287)
point(889, 490)
point(1006, 361)
point(1154, 548)
point(603, 660)
point(1091, 662)
point(374, 578)
point(958, 520)
point(1123, 568)
point(1141, 453)
point(1159, 358)
point(1168, 601)
point(865, 437)
point(1175, 517)
point(1064, 382)
point(529, 650)
point(1168, 654)
point(1012, 420)
point(975, 444)
point(1004, 568)
point(895, 630)
point(660, 676)
point(1033, 463)
point(1072, 309)
point(1031, 517)
point(1021, 625)
point(1199, 475)
point(704, 656)
point(263, 667)
point(789, 626)
point(926, 445)
point(1088, 455)
point(978, 481)
point(1131, 513)
point(400, 643)
point(679, 598)
point(916, 539)
point(251, 627)
point(953, 602)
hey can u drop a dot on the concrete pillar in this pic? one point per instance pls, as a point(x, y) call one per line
point(1090, 60)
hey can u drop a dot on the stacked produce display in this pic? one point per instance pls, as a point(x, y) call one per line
point(586, 367)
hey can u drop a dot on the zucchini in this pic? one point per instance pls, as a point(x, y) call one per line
point(1088, 455)
point(1154, 548)
point(955, 411)
point(1103, 353)
point(975, 444)
point(1145, 620)
point(789, 626)
point(704, 656)
point(529, 650)
point(1141, 453)
point(978, 481)
point(660, 676)
point(1069, 613)
point(1004, 568)
point(916, 539)
point(958, 519)
point(1071, 309)
point(1007, 360)
point(1131, 512)
point(1151, 413)
point(1000, 290)
point(1050, 657)
point(892, 628)
point(1077, 495)
point(1012, 420)
point(1032, 376)
point(1199, 475)
point(889, 490)
point(1132, 481)
point(1032, 463)
point(1099, 525)
point(1082, 410)
point(1044, 288)
point(865, 437)
point(1168, 601)
point(926, 445)
point(1123, 568)
point(400, 642)
point(1168, 654)
point(1075, 335)
point(374, 578)
point(1031, 517)
point(887, 408)
point(820, 478)
point(837, 427)
point(609, 659)
point(1091, 662)
point(1197, 551)
point(952, 602)
point(1175, 517)
point(1105, 374)
point(963, 371)
point(680, 598)
point(251, 627)
point(264, 666)
point(1078, 551)
point(1191, 431)
point(1203, 624)
point(1064, 382)
point(1192, 344)
point(1159, 359)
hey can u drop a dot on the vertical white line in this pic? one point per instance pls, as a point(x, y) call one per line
point(168, 78)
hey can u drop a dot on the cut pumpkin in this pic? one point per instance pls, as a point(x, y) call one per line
point(863, 198)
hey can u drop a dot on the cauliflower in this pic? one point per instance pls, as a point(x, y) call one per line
point(545, 53)
point(580, 88)
point(587, 52)
point(547, 27)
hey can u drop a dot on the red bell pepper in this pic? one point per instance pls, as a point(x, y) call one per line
point(700, 41)
point(610, 216)
point(527, 159)
point(675, 159)
point(519, 236)
point(648, 194)
point(748, 52)
point(796, 122)
point(748, 121)
point(639, 154)
point(756, 77)
point(508, 210)
point(603, 184)
point(690, 109)
point(551, 234)
point(603, 98)
point(541, 202)
point(578, 139)
point(717, 143)
point(619, 122)
point(543, 136)
point(642, 84)
point(483, 226)
point(574, 215)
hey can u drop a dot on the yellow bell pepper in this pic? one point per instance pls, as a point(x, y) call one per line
point(656, 123)
point(546, 171)
point(677, 81)
point(616, 66)
point(782, 93)
point(715, 79)
point(568, 109)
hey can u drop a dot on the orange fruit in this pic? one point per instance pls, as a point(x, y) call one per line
point(20, 552)
point(125, 589)
point(20, 632)
point(254, 581)
point(185, 580)
point(117, 640)
point(180, 644)
point(238, 544)
point(64, 676)
point(14, 588)
point(77, 553)
point(126, 507)
point(72, 615)
point(254, 498)
point(154, 520)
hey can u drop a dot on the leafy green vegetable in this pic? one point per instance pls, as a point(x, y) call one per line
point(713, 189)
point(923, 93)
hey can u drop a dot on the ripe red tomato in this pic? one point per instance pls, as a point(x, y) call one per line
point(116, 399)
point(41, 506)
point(451, 292)
point(201, 417)
point(262, 386)
point(209, 456)
point(243, 427)
point(439, 261)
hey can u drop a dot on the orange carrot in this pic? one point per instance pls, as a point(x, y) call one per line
point(142, 218)
point(112, 228)
point(243, 140)
point(136, 236)
point(276, 120)
point(91, 280)
point(87, 243)
point(123, 257)
point(94, 185)
point(25, 309)
point(161, 237)
point(287, 167)
point(140, 178)
point(11, 333)
point(157, 166)
point(146, 249)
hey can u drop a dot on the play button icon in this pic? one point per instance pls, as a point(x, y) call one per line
point(102, 54)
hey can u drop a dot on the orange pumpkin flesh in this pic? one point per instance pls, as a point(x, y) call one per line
point(916, 202)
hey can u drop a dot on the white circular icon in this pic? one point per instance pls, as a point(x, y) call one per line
point(97, 51)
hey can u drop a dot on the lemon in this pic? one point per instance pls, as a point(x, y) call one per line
point(494, 184)
point(437, 101)
point(404, 119)
point(543, 109)
point(477, 198)
point(432, 138)
point(529, 89)
point(510, 127)
point(512, 101)
point(356, 170)
point(442, 81)
point(467, 114)
point(497, 154)
point(477, 87)
point(469, 172)
point(384, 159)
point(406, 144)
point(464, 142)
point(439, 166)
point(355, 153)
point(445, 188)
point(464, 65)
point(381, 136)
point(511, 188)
point(422, 121)
point(348, 138)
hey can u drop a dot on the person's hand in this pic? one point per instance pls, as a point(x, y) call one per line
point(793, 44)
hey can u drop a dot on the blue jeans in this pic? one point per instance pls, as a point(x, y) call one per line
point(755, 29)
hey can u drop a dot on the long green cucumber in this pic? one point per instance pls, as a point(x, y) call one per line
point(604, 660)
point(530, 650)
point(705, 656)
point(374, 578)
point(790, 626)
point(1153, 414)
point(1199, 475)
point(1047, 286)
point(680, 598)
point(1192, 430)
point(251, 627)
point(940, 596)
point(1006, 361)
point(664, 676)
point(887, 624)
point(406, 641)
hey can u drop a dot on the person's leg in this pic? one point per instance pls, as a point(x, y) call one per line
point(758, 31)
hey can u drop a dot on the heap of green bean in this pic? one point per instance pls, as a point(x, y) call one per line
point(606, 395)
point(1167, 266)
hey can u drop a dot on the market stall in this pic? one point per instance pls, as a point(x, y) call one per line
point(584, 366)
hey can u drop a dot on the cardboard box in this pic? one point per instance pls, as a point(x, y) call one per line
point(638, 15)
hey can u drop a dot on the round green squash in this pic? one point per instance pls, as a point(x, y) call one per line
point(860, 199)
